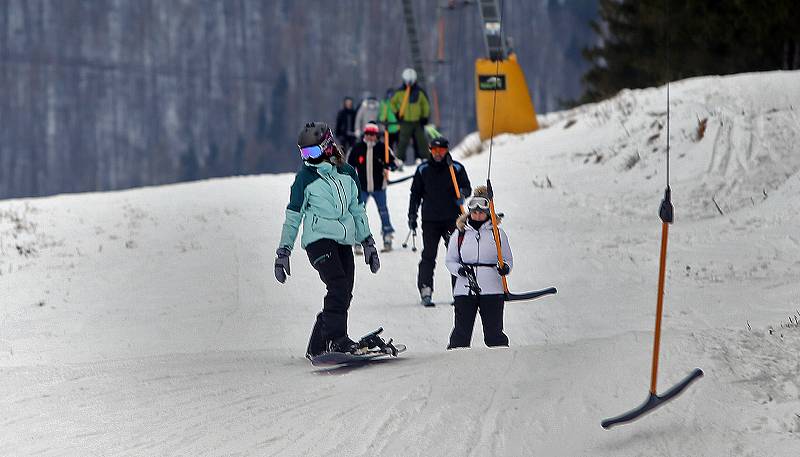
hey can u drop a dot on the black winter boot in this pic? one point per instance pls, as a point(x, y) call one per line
point(343, 344)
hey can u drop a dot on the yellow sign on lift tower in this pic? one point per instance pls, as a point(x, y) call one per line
point(501, 92)
point(513, 109)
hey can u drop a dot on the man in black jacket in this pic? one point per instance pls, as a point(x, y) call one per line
point(434, 188)
point(346, 125)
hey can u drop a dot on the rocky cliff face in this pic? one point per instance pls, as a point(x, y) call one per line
point(111, 94)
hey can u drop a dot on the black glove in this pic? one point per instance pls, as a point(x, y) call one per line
point(504, 270)
point(423, 121)
point(371, 254)
point(282, 264)
point(462, 271)
point(412, 223)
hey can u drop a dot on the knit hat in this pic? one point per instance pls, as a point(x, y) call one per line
point(371, 128)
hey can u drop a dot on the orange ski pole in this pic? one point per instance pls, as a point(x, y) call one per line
point(386, 152)
point(455, 186)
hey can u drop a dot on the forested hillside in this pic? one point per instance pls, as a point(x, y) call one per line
point(111, 94)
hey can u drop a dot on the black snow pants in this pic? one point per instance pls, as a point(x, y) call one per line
point(491, 309)
point(432, 232)
point(334, 263)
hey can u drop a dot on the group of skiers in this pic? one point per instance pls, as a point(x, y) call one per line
point(328, 199)
point(404, 112)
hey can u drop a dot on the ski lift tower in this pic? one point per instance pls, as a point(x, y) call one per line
point(502, 100)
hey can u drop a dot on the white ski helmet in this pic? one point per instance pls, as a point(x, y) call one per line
point(409, 76)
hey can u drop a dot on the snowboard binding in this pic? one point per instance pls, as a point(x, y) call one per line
point(369, 347)
point(371, 343)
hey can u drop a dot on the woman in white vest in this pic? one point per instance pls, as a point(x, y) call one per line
point(472, 258)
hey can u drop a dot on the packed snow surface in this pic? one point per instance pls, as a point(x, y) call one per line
point(148, 322)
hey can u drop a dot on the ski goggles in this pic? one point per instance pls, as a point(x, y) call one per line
point(318, 150)
point(438, 150)
point(478, 204)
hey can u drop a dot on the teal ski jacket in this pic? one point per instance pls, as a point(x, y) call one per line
point(325, 199)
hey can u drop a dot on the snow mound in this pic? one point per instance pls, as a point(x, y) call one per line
point(733, 140)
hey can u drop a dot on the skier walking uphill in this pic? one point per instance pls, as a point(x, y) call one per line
point(433, 187)
point(325, 199)
point(472, 258)
point(368, 157)
point(410, 105)
point(346, 125)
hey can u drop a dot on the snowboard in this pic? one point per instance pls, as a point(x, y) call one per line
point(373, 347)
point(341, 358)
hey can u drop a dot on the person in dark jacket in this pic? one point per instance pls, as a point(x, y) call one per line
point(368, 157)
point(324, 198)
point(472, 259)
point(346, 125)
point(433, 188)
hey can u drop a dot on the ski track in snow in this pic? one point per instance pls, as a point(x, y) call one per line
point(147, 322)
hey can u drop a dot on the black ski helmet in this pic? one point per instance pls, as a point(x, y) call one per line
point(318, 133)
point(440, 142)
point(313, 133)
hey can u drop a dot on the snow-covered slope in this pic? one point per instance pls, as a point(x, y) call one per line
point(148, 322)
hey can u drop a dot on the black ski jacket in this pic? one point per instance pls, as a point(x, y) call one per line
point(359, 159)
point(433, 187)
point(345, 123)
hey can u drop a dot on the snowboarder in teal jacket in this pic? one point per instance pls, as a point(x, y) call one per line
point(325, 200)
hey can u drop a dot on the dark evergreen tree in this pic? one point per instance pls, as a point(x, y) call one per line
point(261, 124)
point(696, 37)
point(189, 165)
point(239, 157)
point(212, 162)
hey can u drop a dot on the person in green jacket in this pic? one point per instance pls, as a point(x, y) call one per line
point(324, 198)
point(410, 105)
point(387, 118)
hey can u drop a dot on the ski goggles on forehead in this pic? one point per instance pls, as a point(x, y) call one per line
point(478, 204)
point(316, 151)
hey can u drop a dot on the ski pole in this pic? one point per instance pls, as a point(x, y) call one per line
point(405, 243)
point(414, 240)
point(386, 153)
point(455, 184)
